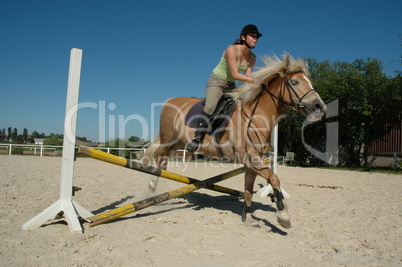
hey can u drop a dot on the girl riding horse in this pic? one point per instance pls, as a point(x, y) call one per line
point(246, 139)
point(235, 59)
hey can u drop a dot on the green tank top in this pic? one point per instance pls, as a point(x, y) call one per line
point(222, 70)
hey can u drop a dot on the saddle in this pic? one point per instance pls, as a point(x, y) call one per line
point(219, 119)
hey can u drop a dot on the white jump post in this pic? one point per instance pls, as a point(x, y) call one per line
point(65, 204)
point(274, 145)
point(264, 191)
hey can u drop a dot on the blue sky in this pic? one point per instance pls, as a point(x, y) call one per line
point(137, 54)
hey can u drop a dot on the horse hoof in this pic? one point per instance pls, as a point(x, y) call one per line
point(151, 186)
point(251, 223)
point(283, 219)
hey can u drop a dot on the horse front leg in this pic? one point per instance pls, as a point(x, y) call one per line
point(282, 214)
point(249, 179)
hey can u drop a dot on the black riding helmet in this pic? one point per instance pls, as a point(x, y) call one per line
point(250, 28)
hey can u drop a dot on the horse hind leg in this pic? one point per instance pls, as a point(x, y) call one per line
point(161, 162)
point(249, 180)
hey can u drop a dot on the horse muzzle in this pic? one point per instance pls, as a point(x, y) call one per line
point(314, 108)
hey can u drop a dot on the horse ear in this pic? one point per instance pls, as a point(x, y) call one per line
point(286, 64)
point(287, 61)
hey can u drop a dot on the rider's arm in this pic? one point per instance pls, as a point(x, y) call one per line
point(230, 56)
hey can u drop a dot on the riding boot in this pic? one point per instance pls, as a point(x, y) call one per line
point(202, 128)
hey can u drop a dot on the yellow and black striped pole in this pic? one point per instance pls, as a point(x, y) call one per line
point(106, 157)
point(110, 215)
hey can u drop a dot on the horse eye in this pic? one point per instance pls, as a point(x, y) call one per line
point(294, 82)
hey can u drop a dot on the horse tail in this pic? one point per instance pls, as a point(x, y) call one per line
point(152, 149)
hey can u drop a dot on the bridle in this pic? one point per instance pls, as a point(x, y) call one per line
point(292, 92)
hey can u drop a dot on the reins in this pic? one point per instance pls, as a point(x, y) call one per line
point(250, 121)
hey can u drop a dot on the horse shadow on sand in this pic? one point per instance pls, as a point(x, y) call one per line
point(113, 205)
point(199, 200)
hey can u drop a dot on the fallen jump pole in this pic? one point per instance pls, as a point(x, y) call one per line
point(110, 215)
point(103, 156)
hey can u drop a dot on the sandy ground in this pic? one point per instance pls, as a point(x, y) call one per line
point(339, 218)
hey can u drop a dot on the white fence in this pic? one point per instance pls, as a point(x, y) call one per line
point(40, 150)
point(35, 149)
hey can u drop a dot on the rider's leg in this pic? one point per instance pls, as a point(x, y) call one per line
point(202, 128)
point(213, 94)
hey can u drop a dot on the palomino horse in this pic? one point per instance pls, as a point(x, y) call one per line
point(246, 139)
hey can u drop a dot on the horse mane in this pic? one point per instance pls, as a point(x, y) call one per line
point(274, 67)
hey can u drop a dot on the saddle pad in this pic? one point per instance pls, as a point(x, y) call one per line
point(219, 119)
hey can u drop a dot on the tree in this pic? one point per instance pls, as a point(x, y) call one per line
point(369, 107)
point(36, 134)
point(14, 134)
point(19, 139)
point(136, 141)
point(3, 134)
point(121, 143)
point(54, 140)
point(25, 134)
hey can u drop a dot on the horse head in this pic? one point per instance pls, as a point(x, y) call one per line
point(300, 95)
point(294, 89)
